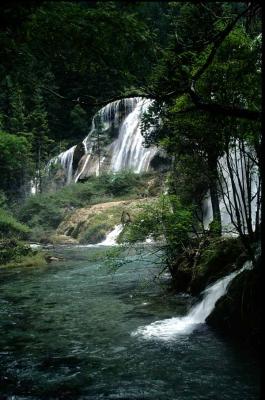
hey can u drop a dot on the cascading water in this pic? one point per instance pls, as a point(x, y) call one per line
point(126, 151)
point(112, 236)
point(240, 183)
point(169, 328)
point(66, 160)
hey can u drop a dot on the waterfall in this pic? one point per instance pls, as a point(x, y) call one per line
point(66, 160)
point(128, 149)
point(34, 185)
point(170, 328)
point(121, 121)
point(240, 168)
point(112, 236)
point(125, 152)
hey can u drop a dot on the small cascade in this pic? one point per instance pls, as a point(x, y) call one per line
point(169, 328)
point(34, 186)
point(66, 159)
point(112, 236)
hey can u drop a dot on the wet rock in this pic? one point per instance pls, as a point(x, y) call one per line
point(50, 258)
point(62, 239)
point(238, 312)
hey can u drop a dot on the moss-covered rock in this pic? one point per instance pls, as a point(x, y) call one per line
point(218, 257)
point(181, 271)
point(205, 261)
point(92, 224)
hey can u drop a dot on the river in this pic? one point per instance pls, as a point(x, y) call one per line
point(67, 333)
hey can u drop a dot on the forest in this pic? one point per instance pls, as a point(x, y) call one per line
point(131, 200)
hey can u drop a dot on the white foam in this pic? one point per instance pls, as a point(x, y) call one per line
point(170, 328)
point(112, 236)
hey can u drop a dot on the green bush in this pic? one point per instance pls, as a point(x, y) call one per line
point(12, 250)
point(3, 200)
point(41, 210)
point(120, 183)
point(15, 253)
point(10, 227)
point(165, 218)
point(15, 160)
point(74, 195)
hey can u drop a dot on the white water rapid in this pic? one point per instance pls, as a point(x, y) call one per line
point(170, 328)
point(112, 236)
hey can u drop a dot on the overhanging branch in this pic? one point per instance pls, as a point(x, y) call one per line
point(228, 111)
point(216, 108)
point(199, 103)
point(217, 43)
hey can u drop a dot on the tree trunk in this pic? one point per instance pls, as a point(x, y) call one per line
point(213, 182)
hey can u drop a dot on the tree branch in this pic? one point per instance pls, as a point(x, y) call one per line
point(199, 103)
point(217, 43)
point(228, 111)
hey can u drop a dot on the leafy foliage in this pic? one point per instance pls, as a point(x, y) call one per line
point(165, 218)
point(197, 84)
point(14, 155)
point(10, 227)
point(41, 210)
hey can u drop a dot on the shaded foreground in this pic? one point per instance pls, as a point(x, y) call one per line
point(66, 334)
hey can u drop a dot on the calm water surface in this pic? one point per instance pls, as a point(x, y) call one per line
point(66, 334)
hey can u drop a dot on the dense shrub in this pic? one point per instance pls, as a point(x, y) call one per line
point(14, 161)
point(165, 218)
point(119, 183)
point(41, 210)
point(12, 250)
point(10, 227)
point(3, 200)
